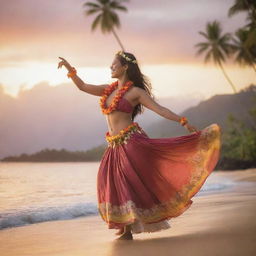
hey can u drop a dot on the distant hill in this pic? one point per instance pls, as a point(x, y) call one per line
point(213, 110)
point(63, 155)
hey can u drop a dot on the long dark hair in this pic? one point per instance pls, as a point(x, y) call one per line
point(139, 80)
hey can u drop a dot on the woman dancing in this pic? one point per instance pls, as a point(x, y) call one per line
point(143, 182)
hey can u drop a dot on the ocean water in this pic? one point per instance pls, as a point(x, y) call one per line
point(38, 192)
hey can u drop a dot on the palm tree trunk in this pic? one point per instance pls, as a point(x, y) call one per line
point(117, 38)
point(225, 74)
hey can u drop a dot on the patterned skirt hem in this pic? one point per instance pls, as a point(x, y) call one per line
point(140, 223)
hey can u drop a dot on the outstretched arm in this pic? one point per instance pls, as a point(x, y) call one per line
point(96, 90)
point(149, 103)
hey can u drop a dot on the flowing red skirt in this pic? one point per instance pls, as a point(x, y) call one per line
point(146, 181)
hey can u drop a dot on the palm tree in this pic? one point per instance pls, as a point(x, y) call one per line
point(217, 46)
point(249, 42)
point(251, 39)
point(107, 17)
point(243, 5)
point(244, 55)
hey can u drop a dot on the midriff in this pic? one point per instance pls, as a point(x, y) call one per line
point(117, 121)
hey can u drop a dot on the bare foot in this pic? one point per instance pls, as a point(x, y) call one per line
point(125, 236)
point(120, 231)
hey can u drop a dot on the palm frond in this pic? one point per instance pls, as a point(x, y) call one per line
point(208, 57)
point(90, 4)
point(116, 5)
point(203, 34)
point(96, 22)
point(115, 19)
point(91, 11)
point(213, 30)
point(251, 38)
point(103, 2)
point(202, 47)
point(242, 5)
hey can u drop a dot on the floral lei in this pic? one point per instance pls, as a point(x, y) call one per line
point(107, 91)
point(123, 136)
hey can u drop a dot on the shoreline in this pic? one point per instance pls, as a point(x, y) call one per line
point(215, 224)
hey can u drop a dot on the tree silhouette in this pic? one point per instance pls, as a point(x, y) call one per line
point(246, 36)
point(243, 53)
point(107, 17)
point(243, 5)
point(217, 46)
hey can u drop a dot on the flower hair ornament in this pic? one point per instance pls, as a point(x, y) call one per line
point(121, 53)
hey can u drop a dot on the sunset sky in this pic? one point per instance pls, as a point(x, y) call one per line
point(161, 34)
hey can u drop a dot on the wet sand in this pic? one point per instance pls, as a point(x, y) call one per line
point(219, 224)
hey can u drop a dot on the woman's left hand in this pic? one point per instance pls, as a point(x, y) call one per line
point(190, 128)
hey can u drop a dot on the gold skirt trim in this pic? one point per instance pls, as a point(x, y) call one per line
point(123, 136)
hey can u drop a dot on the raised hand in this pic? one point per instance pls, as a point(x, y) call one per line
point(63, 62)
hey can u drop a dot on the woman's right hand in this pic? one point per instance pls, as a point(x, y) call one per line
point(63, 62)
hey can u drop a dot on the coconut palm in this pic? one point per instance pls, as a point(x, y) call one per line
point(107, 17)
point(243, 5)
point(217, 46)
point(249, 42)
point(244, 54)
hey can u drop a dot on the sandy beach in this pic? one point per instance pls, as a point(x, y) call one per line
point(217, 224)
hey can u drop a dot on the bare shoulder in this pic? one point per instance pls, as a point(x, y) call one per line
point(141, 93)
point(134, 94)
point(147, 100)
point(138, 92)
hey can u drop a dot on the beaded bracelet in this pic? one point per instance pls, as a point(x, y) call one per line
point(72, 72)
point(183, 120)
